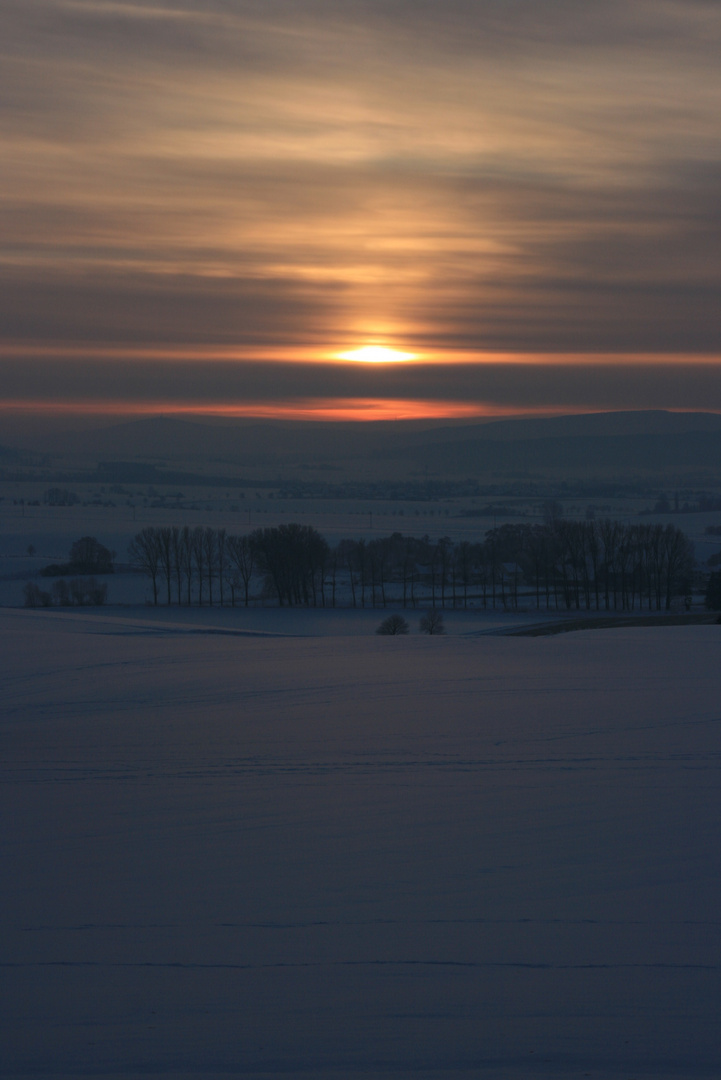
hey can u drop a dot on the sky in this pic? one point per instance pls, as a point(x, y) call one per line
point(217, 205)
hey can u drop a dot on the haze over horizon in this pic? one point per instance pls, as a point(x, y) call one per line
point(208, 207)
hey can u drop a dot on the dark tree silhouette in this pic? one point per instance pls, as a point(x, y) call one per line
point(177, 545)
point(567, 564)
point(210, 554)
point(713, 592)
point(242, 556)
point(144, 553)
point(432, 622)
point(89, 556)
point(292, 558)
point(165, 551)
point(61, 593)
point(394, 624)
point(197, 546)
point(34, 596)
point(186, 556)
point(221, 558)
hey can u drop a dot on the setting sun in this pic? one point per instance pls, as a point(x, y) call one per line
point(377, 354)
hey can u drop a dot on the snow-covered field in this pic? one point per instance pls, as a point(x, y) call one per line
point(340, 855)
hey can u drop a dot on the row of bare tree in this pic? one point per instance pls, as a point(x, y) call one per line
point(597, 564)
point(563, 564)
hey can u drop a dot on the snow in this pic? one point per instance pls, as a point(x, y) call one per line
point(293, 851)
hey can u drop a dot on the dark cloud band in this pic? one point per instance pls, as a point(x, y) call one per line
point(505, 386)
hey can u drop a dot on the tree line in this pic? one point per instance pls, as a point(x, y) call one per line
point(562, 565)
point(79, 592)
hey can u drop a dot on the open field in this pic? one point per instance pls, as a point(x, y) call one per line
point(266, 842)
point(353, 856)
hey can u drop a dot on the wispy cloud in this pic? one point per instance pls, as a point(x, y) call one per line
point(126, 383)
point(473, 175)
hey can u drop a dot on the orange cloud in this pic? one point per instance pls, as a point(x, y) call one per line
point(312, 409)
point(469, 183)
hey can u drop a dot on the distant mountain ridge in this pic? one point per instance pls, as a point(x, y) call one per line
point(613, 442)
point(162, 434)
point(607, 424)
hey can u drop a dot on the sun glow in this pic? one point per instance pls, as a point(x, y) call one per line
point(376, 354)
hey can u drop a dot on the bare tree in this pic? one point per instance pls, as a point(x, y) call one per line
point(679, 563)
point(241, 552)
point(432, 622)
point(35, 596)
point(221, 554)
point(197, 541)
point(144, 553)
point(291, 557)
point(345, 551)
point(61, 593)
point(394, 624)
point(187, 558)
point(165, 550)
point(210, 552)
point(462, 565)
point(177, 540)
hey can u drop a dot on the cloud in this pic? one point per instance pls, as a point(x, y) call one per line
point(473, 175)
point(493, 387)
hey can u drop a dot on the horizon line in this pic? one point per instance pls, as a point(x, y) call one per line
point(319, 411)
point(341, 356)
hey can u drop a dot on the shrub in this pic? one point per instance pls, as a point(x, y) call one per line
point(96, 591)
point(32, 594)
point(394, 624)
point(35, 597)
point(61, 593)
point(79, 592)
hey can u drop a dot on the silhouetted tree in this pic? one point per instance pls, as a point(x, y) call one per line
point(61, 593)
point(144, 553)
point(394, 624)
point(713, 591)
point(34, 596)
point(186, 556)
point(679, 563)
point(432, 622)
point(177, 552)
point(346, 556)
point(210, 555)
point(165, 551)
point(221, 554)
point(291, 557)
point(241, 553)
point(89, 556)
point(197, 546)
point(570, 564)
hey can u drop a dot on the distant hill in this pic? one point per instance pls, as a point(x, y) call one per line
point(600, 425)
point(171, 438)
point(600, 444)
point(692, 451)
